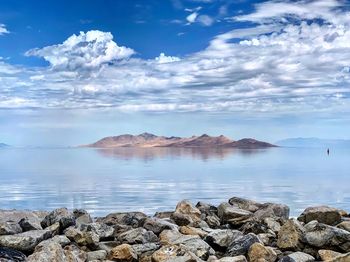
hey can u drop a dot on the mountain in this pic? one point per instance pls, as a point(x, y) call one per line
point(314, 142)
point(150, 140)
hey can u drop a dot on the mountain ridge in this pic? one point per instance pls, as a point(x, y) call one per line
point(150, 140)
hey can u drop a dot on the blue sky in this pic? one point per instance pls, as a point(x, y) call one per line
point(73, 71)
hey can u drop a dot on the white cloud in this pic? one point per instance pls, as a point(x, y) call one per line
point(274, 67)
point(205, 20)
point(86, 50)
point(192, 17)
point(162, 58)
point(3, 29)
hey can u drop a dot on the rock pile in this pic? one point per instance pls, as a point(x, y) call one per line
point(237, 231)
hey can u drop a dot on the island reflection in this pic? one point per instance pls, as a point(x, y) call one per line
point(149, 154)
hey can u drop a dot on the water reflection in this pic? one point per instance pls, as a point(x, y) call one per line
point(149, 154)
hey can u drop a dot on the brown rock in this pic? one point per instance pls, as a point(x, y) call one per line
point(323, 214)
point(326, 255)
point(259, 253)
point(185, 207)
point(290, 235)
point(123, 253)
point(344, 225)
point(187, 230)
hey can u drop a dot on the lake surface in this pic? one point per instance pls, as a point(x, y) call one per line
point(149, 180)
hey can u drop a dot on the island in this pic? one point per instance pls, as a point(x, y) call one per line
point(146, 140)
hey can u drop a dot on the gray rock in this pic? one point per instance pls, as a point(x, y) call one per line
point(163, 214)
point(137, 236)
point(11, 255)
point(233, 259)
point(245, 204)
point(107, 245)
point(87, 238)
point(133, 219)
point(322, 235)
point(61, 215)
point(83, 220)
point(241, 245)
point(192, 243)
point(344, 225)
point(301, 257)
point(206, 209)
point(17, 215)
point(9, 228)
point(74, 253)
point(96, 255)
point(220, 239)
point(62, 240)
point(148, 248)
point(29, 224)
point(157, 225)
point(25, 241)
point(323, 214)
point(233, 215)
point(272, 210)
point(213, 221)
point(50, 252)
point(104, 231)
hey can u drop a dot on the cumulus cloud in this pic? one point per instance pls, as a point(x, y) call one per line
point(192, 18)
point(162, 58)
point(276, 66)
point(3, 29)
point(86, 50)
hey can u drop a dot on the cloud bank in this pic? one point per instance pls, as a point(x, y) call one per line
point(292, 59)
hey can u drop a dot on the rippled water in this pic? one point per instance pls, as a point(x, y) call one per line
point(149, 180)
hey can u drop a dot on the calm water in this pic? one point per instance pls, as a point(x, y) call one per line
point(149, 180)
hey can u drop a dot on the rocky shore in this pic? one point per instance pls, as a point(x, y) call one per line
point(236, 231)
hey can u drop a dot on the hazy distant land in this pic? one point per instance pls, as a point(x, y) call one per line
point(147, 140)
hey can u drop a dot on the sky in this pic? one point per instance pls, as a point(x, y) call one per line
point(72, 72)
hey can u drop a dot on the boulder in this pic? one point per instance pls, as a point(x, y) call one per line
point(17, 215)
point(62, 240)
point(148, 248)
point(104, 231)
point(61, 215)
point(322, 235)
point(233, 259)
point(268, 239)
point(107, 245)
point(323, 214)
point(206, 209)
point(344, 225)
point(73, 253)
point(123, 253)
point(11, 255)
point(341, 258)
point(186, 208)
point(87, 238)
point(96, 255)
point(272, 210)
point(157, 225)
point(10, 228)
point(137, 236)
point(173, 253)
point(290, 236)
point(245, 204)
point(241, 245)
point(213, 221)
point(188, 230)
point(233, 215)
point(25, 241)
point(181, 219)
point(163, 214)
point(50, 252)
point(133, 219)
point(254, 226)
point(29, 224)
point(300, 257)
point(258, 253)
point(327, 255)
point(220, 239)
point(193, 244)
